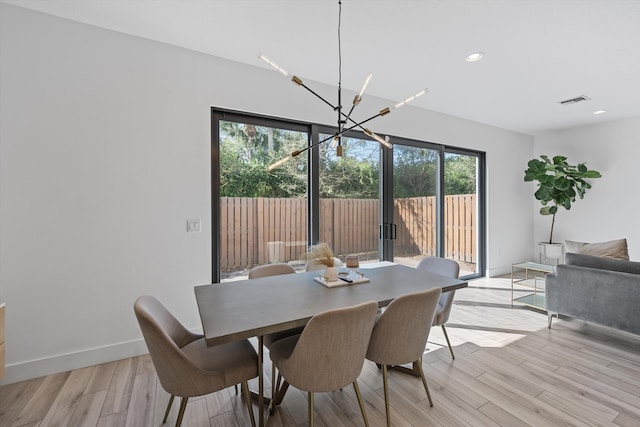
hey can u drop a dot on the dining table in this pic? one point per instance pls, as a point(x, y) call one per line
point(236, 310)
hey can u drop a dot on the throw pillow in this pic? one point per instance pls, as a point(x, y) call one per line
point(611, 249)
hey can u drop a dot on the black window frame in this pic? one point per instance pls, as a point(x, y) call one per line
point(313, 131)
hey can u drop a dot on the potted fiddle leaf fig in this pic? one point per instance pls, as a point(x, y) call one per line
point(559, 183)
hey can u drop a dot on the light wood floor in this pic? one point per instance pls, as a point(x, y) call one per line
point(510, 370)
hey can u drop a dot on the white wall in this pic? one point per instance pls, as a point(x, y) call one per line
point(104, 155)
point(610, 208)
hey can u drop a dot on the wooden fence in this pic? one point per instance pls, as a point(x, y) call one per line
point(257, 231)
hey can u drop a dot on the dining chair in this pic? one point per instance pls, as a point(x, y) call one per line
point(443, 267)
point(400, 335)
point(328, 354)
point(185, 366)
point(268, 339)
point(271, 270)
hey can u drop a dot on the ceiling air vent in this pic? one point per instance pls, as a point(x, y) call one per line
point(574, 100)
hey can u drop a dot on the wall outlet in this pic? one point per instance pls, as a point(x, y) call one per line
point(193, 226)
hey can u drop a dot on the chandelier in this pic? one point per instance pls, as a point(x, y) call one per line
point(345, 122)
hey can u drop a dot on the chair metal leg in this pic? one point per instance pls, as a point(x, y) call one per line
point(550, 317)
point(247, 397)
point(278, 381)
point(183, 406)
point(166, 414)
point(361, 403)
point(261, 420)
point(448, 343)
point(280, 392)
point(385, 383)
point(310, 394)
point(273, 380)
point(235, 387)
point(424, 380)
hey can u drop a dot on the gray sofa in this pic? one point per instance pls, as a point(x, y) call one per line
point(601, 290)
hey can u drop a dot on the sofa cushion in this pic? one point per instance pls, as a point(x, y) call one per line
point(611, 249)
point(589, 261)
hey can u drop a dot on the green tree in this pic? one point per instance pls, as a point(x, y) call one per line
point(355, 175)
point(459, 174)
point(246, 151)
point(414, 172)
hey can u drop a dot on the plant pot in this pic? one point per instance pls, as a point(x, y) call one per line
point(331, 274)
point(551, 253)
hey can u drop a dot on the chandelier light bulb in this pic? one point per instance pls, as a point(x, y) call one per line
point(279, 163)
point(358, 97)
point(366, 83)
point(411, 98)
point(266, 59)
point(381, 140)
point(384, 141)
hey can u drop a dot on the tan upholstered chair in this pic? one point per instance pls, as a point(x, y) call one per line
point(400, 336)
point(270, 270)
point(329, 354)
point(185, 365)
point(443, 267)
point(274, 270)
point(269, 339)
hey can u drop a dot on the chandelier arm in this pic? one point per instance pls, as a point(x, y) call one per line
point(300, 83)
point(315, 144)
point(359, 124)
point(348, 116)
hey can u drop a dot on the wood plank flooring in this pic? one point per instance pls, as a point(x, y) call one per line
point(510, 370)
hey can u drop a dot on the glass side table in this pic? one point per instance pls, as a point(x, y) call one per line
point(533, 273)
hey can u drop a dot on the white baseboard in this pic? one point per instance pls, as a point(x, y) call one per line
point(66, 362)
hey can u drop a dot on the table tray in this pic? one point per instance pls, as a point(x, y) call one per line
point(339, 282)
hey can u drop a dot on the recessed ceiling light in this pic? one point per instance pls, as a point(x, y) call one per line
point(476, 56)
point(599, 112)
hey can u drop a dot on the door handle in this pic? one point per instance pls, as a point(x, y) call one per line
point(384, 231)
point(387, 231)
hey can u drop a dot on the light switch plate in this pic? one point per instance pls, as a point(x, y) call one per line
point(194, 226)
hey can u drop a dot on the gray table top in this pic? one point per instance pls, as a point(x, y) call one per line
point(237, 310)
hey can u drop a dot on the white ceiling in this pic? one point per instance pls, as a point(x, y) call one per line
point(537, 52)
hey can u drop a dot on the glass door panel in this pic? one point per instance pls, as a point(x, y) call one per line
point(415, 172)
point(263, 214)
point(461, 211)
point(349, 210)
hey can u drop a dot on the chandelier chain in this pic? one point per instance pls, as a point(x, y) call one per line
point(340, 120)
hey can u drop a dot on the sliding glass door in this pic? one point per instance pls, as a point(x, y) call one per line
point(436, 205)
point(262, 215)
point(461, 210)
point(417, 199)
point(349, 193)
point(415, 215)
